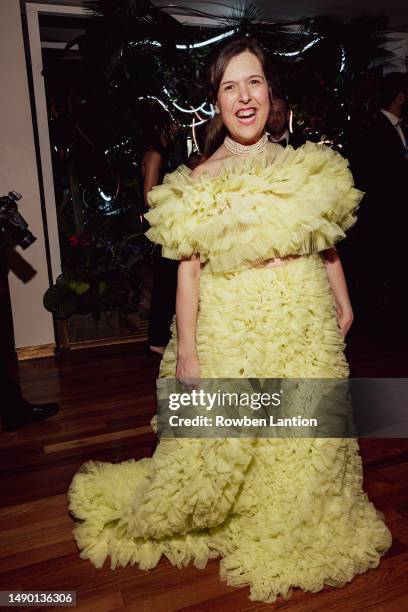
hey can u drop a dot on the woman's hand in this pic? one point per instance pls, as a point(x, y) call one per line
point(345, 318)
point(338, 286)
point(188, 369)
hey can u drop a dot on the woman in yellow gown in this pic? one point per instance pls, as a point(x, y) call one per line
point(261, 294)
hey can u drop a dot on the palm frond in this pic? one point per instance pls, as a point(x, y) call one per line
point(243, 15)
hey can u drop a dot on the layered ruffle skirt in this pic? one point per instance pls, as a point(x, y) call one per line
point(282, 512)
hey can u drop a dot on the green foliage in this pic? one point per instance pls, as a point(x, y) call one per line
point(100, 272)
point(61, 300)
point(79, 287)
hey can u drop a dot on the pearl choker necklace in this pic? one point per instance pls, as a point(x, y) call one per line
point(239, 149)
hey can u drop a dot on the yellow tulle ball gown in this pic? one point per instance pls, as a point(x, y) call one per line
point(282, 512)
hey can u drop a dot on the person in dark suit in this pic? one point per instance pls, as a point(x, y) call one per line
point(379, 162)
point(278, 125)
point(382, 149)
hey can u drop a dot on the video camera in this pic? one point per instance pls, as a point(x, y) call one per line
point(12, 224)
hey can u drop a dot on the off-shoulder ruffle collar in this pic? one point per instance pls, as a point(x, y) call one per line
point(236, 165)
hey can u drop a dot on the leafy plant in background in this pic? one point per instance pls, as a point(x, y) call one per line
point(100, 272)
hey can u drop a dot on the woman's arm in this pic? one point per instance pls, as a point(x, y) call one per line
point(152, 165)
point(188, 283)
point(338, 285)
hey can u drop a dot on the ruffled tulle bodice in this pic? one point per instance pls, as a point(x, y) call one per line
point(278, 203)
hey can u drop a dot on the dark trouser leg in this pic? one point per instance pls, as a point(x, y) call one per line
point(10, 392)
point(163, 302)
point(15, 411)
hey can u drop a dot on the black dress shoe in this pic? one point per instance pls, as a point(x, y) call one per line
point(28, 413)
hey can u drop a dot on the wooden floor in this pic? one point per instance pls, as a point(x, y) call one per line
point(107, 400)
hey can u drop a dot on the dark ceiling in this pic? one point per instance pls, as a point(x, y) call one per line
point(396, 10)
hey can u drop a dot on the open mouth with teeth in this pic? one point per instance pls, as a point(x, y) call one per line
point(246, 116)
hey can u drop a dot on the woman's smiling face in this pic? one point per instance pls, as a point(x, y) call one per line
point(243, 98)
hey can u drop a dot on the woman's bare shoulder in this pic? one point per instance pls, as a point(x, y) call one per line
point(198, 170)
point(211, 166)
